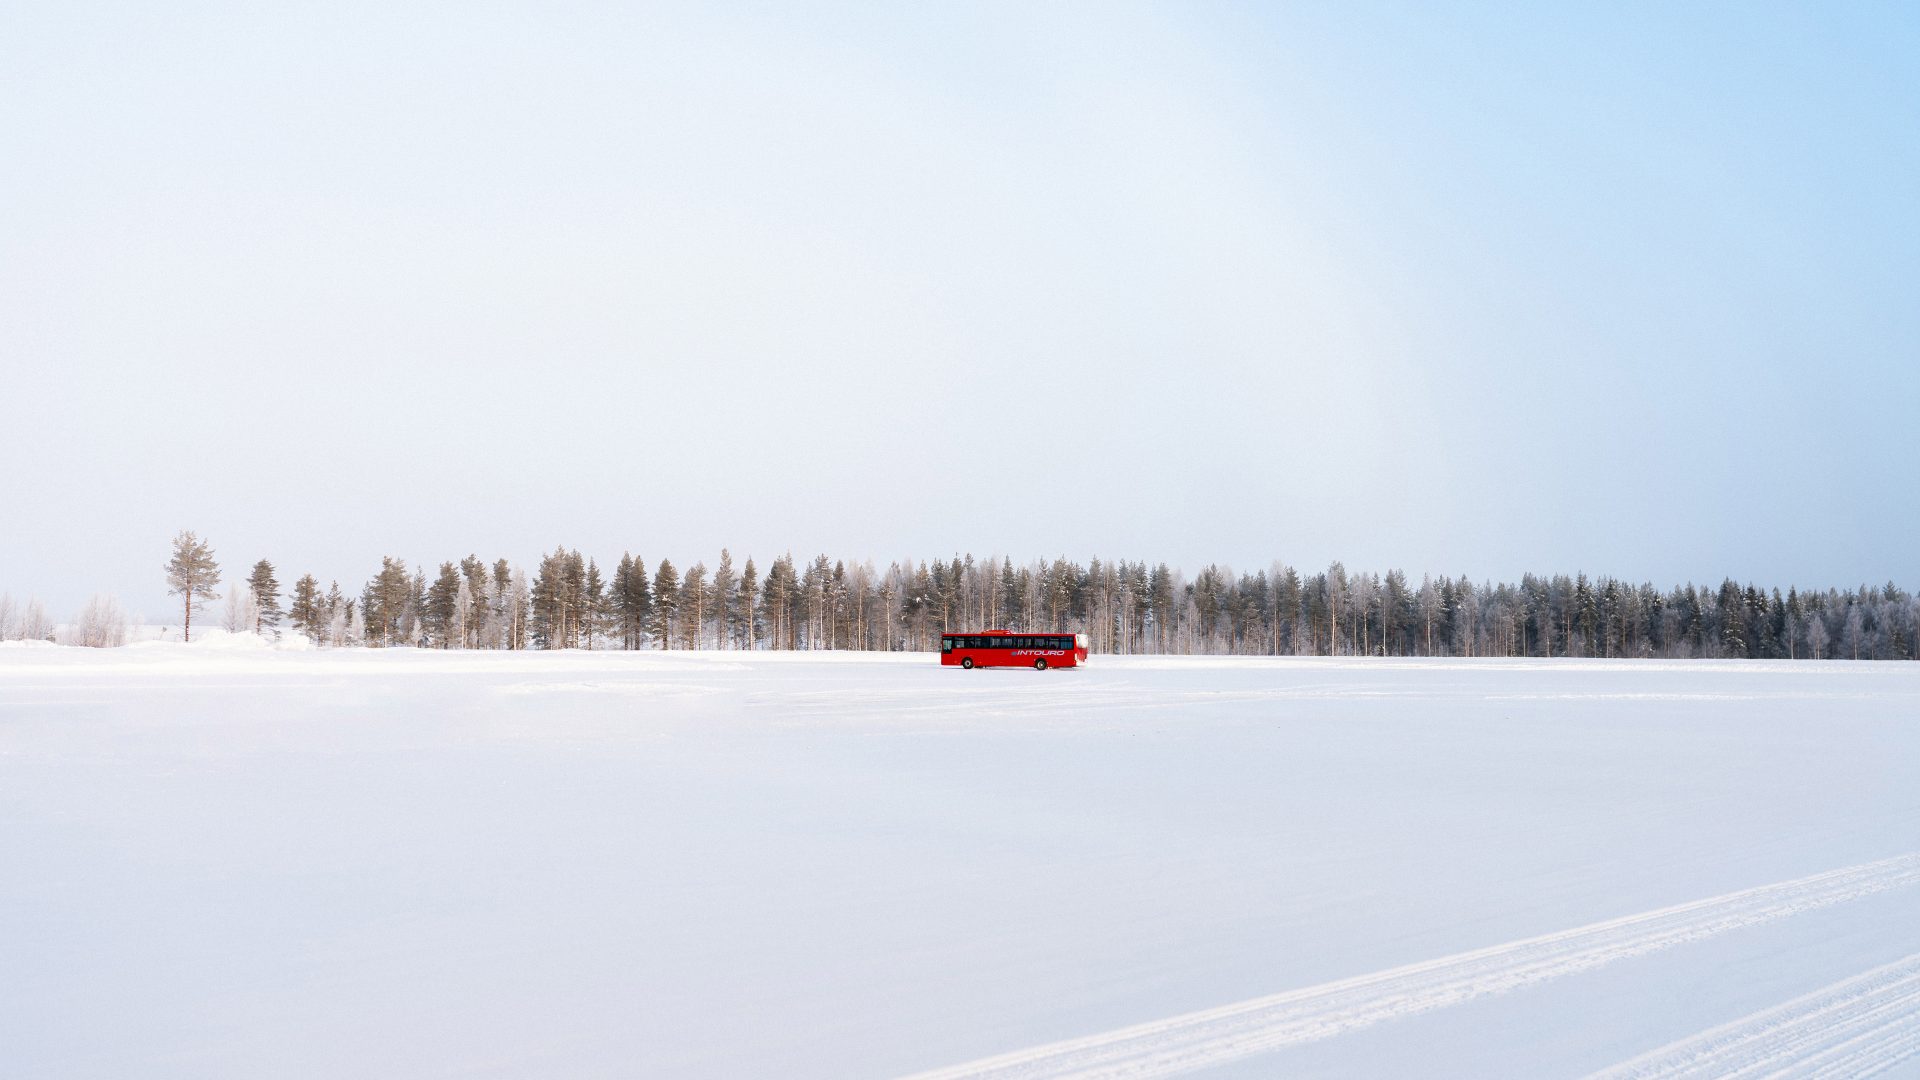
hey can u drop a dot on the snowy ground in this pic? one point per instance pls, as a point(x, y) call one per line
point(223, 863)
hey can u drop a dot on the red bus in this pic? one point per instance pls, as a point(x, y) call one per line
point(1011, 648)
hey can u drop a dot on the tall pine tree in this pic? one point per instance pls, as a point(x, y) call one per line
point(266, 596)
point(666, 602)
point(308, 611)
point(722, 592)
point(744, 609)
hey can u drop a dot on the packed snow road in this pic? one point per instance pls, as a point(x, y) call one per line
point(243, 863)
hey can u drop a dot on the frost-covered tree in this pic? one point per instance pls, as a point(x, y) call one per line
point(34, 623)
point(519, 599)
point(241, 615)
point(9, 618)
point(462, 631)
point(338, 607)
point(192, 575)
point(101, 624)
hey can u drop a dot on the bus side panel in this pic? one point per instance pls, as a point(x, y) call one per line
point(1007, 656)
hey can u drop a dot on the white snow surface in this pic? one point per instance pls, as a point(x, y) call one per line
point(240, 862)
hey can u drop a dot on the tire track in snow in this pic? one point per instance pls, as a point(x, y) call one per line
point(1861, 1026)
point(1198, 1040)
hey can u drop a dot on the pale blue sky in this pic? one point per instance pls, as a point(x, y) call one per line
point(1473, 289)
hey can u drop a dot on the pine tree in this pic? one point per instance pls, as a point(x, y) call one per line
point(411, 626)
point(744, 610)
point(546, 601)
point(813, 587)
point(916, 600)
point(593, 603)
point(693, 605)
point(1586, 612)
point(1693, 622)
point(776, 598)
point(501, 617)
point(266, 596)
point(666, 602)
point(192, 574)
point(474, 615)
point(386, 603)
point(308, 611)
point(441, 608)
point(838, 606)
point(1733, 620)
point(576, 612)
point(561, 609)
point(639, 603)
point(722, 592)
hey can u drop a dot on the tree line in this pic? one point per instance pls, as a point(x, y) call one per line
point(571, 602)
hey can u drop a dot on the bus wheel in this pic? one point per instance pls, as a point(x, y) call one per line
point(967, 662)
point(1040, 664)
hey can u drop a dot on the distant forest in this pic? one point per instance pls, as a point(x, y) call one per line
point(573, 602)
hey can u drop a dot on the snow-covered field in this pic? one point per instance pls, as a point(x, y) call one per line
point(231, 863)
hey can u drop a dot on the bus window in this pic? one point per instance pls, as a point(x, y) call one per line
point(946, 644)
